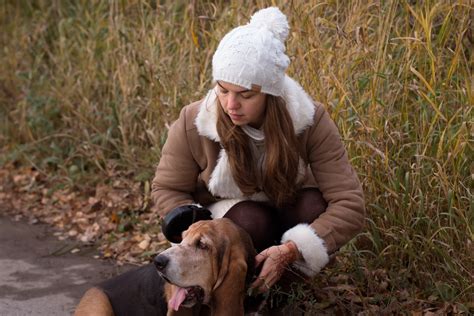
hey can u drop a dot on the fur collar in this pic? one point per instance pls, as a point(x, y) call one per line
point(301, 109)
point(298, 103)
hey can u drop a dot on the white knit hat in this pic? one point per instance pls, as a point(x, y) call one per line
point(253, 55)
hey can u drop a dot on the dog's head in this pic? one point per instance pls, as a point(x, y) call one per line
point(209, 266)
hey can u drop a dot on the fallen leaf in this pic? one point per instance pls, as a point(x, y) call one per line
point(144, 244)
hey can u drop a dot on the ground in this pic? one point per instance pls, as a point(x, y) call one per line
point(49, 230)
point(42, 275)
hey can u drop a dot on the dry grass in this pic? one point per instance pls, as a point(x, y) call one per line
point(86, 86)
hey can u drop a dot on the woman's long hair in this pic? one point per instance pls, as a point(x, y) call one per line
point(281, 152)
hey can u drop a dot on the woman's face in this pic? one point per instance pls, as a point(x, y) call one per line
point(242, 105)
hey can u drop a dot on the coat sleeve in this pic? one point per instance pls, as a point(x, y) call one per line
point(340, 186)
point(177, 172)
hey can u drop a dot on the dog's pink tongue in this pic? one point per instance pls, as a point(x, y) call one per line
point(177, 298)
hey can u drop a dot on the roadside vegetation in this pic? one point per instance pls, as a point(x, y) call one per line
point(89, 88)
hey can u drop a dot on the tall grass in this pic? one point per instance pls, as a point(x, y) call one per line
point(92, 85)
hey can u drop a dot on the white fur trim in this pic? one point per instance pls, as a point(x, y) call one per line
point(259, 197)
point(206, 119)
point(298, 103)
point(311, 247)
point(218, 209)
point(221, 182)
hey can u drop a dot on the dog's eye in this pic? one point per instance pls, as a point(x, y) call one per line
point(201, 245)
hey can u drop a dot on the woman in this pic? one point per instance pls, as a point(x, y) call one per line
point(258, 150)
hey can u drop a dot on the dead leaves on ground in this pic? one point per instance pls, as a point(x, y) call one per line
point(115, 215)
point(345, 290)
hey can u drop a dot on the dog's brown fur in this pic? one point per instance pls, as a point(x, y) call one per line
point(94, 302)
point(214, 255)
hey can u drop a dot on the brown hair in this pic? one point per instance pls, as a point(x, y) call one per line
point(281, 153)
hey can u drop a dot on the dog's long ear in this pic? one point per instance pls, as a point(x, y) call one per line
point(229, 291)
point(251, 253)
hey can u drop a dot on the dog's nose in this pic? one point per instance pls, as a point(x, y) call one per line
point(160, 262)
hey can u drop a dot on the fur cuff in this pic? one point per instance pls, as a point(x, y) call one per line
point(311, 247)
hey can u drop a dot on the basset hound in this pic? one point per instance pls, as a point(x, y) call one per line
point(207, 273)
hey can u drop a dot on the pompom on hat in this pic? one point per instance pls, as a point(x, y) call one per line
point(253, 55)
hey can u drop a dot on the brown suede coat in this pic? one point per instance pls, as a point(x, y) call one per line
point(188, 160)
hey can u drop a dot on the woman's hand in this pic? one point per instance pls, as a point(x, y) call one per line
point(276, 260)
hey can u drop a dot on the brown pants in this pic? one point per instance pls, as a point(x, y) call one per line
point(266, 224)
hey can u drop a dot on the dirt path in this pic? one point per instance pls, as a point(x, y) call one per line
point(39, 275)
